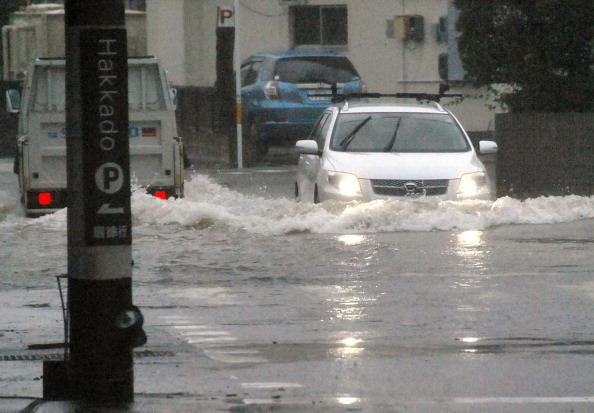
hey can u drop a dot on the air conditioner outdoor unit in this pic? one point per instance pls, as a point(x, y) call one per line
point(410, 27)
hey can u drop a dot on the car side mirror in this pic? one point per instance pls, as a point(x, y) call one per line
point(13, 101)
point(307, 147)
point(173, 97)
point(487, 147)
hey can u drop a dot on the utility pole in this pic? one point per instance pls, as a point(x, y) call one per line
point(237, 55)
point(104, 326)
point(225, 84)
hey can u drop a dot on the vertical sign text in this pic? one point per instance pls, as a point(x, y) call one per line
point(106, 150)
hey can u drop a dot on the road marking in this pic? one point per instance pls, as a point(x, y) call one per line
point(174, 318)
point(271, 385)
point(192, 333)
point(207, 333)
point(210, 340)
point(524, 400)
point(236, 356)
point(199, 334)
point(189, 327)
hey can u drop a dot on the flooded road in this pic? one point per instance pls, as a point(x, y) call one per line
point(379, 307)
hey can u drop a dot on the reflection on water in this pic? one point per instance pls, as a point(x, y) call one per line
point(349, 303)
point(472, 252)
point(471, 248)
point(469, 339)
point(351, 239)
point(351, 348)
point(348, 400)
point(349, 309)
point(350, 341)
point(346, 352)
point(468, 239)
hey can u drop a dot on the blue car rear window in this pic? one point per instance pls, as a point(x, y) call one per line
point(315, 69)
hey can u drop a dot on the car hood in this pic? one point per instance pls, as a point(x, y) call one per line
point(405, 165)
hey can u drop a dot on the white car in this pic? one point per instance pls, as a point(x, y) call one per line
point(366, 151)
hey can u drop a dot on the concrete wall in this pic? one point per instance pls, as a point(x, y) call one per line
point(545, 154)
point(206, 141)
point(166, 37)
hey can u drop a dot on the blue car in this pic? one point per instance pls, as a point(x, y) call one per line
point(283, 94)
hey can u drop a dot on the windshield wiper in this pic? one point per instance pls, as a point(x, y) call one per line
point(349, 138)
point(390, 144)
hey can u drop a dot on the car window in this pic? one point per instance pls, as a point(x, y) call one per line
point(397, 132)
point(315, 69)
point(249, 73)
point(245, 71)
point(321, 129)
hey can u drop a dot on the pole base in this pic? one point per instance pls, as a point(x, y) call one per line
point(56, 385)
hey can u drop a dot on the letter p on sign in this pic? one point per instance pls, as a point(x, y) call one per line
point(225, 17)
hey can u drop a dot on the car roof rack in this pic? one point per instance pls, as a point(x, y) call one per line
point(341, 98)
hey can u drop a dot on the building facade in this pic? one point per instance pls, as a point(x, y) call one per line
point(396, 45)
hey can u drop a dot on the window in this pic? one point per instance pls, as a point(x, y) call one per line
point(312, 69)
point(321, 129)
point(320, 25)
point(249, 73)
point(397, 132)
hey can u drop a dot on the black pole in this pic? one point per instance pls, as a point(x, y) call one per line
point(104, 326)
point(225, 88)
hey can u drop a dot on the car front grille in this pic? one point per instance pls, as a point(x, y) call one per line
point(401, 187)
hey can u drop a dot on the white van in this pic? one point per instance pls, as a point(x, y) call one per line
point(156, 152)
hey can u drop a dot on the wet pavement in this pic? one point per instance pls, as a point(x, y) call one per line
point(253, 303)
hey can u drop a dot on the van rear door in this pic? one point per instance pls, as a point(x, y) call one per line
point(155, 150)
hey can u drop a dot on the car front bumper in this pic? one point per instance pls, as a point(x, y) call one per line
point(367, 193)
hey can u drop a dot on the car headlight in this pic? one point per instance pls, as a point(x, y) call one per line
point(470, 184)
point(347, 184)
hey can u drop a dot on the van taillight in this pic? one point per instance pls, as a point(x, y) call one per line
point(161, 194)
point(44, 198)
point(272, 90)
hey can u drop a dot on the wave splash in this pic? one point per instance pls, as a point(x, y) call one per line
point(210, 205)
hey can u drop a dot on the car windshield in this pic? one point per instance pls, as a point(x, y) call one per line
point(398, 132)
point(315, 69)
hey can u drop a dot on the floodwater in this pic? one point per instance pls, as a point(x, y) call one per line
point(375, 284)
point(218, 234)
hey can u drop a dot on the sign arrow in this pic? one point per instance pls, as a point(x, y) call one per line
point(107, 209)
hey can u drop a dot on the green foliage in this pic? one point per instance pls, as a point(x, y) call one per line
point(544, 49)
point(7, 7)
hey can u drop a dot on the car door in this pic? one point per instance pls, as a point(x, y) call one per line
point(251, 91)
point(309, 165)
